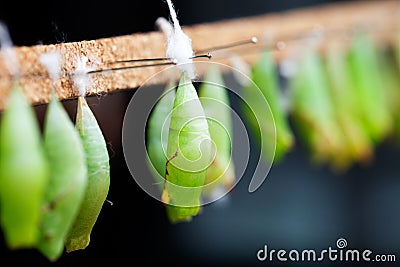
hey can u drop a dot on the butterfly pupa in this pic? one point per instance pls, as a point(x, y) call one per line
point(368, 84)
point(265, 77)
point(313, 112)
point(397, 49)
point(188, 154)
point(358, 143)
point(215, 101)
point(23, 172)
point(98, 169)
point(68, 179)
point(390, 72)
point(157, 134)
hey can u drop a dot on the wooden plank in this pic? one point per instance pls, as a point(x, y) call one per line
point(378, 17)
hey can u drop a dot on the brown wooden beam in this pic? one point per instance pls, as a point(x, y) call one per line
point(379, 17)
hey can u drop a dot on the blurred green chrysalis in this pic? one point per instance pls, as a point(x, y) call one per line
point(265, 77)
point(390, 72)
point(188, 154)
point(98, 169)
point(68, 178)
point(368, 84)
point(23, 172)
point(397, 49)
point(344, 98)
point(157, 139)
point(215, 101)
point(313, 111)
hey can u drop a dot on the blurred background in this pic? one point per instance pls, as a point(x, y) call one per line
point(299, 206)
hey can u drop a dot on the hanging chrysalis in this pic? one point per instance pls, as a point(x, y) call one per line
point(265, 77)
point(157, 138)
point(368, 84)
point(23, 167)
point(391, 80)
point(98, 167)
point(397, 53)
point(23, 172)
point(313, 111)
point(188, 154)
point(344, 99)
point(68, 178)
point(214, 99)
point(397, 49)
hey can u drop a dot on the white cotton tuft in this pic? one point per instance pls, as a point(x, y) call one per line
point(8, 51)
point(52, 62)
point(82, 79)
point(163, 25)
point(179, 46)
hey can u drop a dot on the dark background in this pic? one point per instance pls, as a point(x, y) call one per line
point(300, 206)
point(36, 22)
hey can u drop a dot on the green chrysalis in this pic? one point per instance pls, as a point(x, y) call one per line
point(397, 49)
point(368, 84)
point(215, 101)
point(313, 112)
point(23, 172)
point(188, 153)
point(68, 178)
point(98, 168)
point(344, 99)
point(265, 77)
point(391, 78)
point(157, 139)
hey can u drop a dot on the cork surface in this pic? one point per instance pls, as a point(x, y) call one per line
point(380, 18)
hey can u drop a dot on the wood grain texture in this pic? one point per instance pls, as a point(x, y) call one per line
point(380, 18)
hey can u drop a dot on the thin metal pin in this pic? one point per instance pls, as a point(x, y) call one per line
point(208, 55)
point(144, 60)
point(132, 67)
point(171, 61)
point(253, 40)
